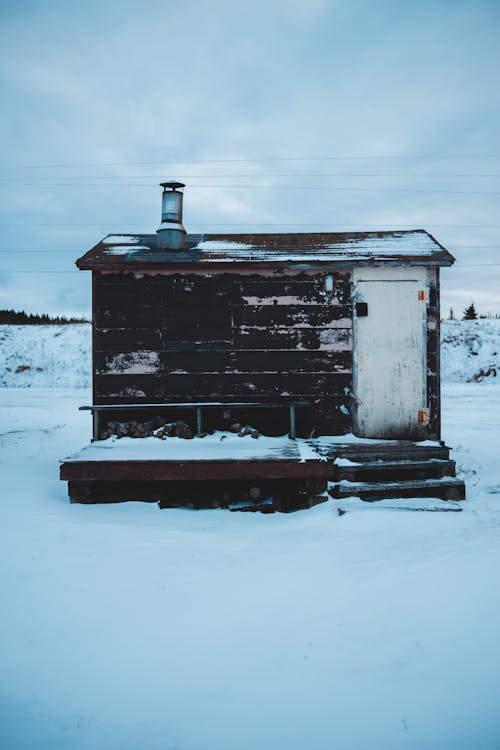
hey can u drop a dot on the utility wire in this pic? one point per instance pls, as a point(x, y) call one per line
point(395, 225)
point(43, 251)
point(339, 157)
point(342, 188)
point(41, 180)
point(31, 271)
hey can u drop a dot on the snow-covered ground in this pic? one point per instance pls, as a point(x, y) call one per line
point(126, 627)
point(46, 356)
point(469, 346)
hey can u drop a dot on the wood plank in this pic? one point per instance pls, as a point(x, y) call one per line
point(292, 361)
point(383, 471)
point(432, 341)
point(266, 293)
point(192, 470)
point(401, 450)
point(208, 387)
point(140, 292)
point(137, 339)
point(308, 339)
point(287, 300)
point(303, 316)
point(447, 489)
point(432, 365)
point(176, 284)
point(131, 317)
point(143, 339)
point(251, 339)
point(433, 354)
point(229, 361)
point(177, 323)
point(309, 286)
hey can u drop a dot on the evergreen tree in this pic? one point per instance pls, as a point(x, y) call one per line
point(470, 312)
point(11, 317)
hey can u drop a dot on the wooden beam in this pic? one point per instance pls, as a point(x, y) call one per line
point(194, 470)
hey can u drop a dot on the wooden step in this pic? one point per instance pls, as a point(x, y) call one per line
point(402, 450)
point(446, 489)
point(394, 471)
point(401, 504)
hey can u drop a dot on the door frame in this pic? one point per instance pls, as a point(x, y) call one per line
point(399, 274)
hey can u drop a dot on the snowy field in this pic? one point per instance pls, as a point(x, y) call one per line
point(46, 356)
point(125, 627)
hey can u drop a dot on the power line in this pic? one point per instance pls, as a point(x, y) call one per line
point(40, 251)
point(43, 251)
point(345, 188)
point(395, 225)
point(336, 188)
point(31, 271)
point(42, 180)
point(339, 157)
point(57, 271)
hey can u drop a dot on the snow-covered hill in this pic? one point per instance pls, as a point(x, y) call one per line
point(469, 346)
point(45, 356)
point(60, 356)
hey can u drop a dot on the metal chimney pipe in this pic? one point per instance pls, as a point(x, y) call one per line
point(171, 233)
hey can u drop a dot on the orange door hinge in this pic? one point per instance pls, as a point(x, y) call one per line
point(423, 417)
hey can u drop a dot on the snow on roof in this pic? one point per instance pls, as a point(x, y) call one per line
point(206, 245)
point(365, 244)
point(345, 249)
point(124, 249)
point(121, 239)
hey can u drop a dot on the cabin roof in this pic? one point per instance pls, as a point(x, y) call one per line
point(132, 252)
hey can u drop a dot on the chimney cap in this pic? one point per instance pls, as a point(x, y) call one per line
point(172, 184)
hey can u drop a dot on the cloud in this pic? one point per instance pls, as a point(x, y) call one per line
point(122, 82)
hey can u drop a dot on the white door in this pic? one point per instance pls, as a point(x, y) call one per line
point(390, 362)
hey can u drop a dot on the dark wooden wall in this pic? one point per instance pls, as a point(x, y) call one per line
point(433, 351)
point(227, 337)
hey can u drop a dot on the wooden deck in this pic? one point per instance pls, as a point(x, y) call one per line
point(220, 469)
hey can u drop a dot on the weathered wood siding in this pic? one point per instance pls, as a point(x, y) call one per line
point(433, 352)
point(226, 337)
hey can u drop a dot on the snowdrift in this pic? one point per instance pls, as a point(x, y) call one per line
point(48, 356)
point(469, 346)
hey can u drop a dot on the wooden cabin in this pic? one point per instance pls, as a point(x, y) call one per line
point(317, 336)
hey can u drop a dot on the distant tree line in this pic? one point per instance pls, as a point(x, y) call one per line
point(11, 317)
point(470, 313)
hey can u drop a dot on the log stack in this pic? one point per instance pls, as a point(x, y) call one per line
point(157, 427)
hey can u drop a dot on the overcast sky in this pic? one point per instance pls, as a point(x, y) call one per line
point(115, 90)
